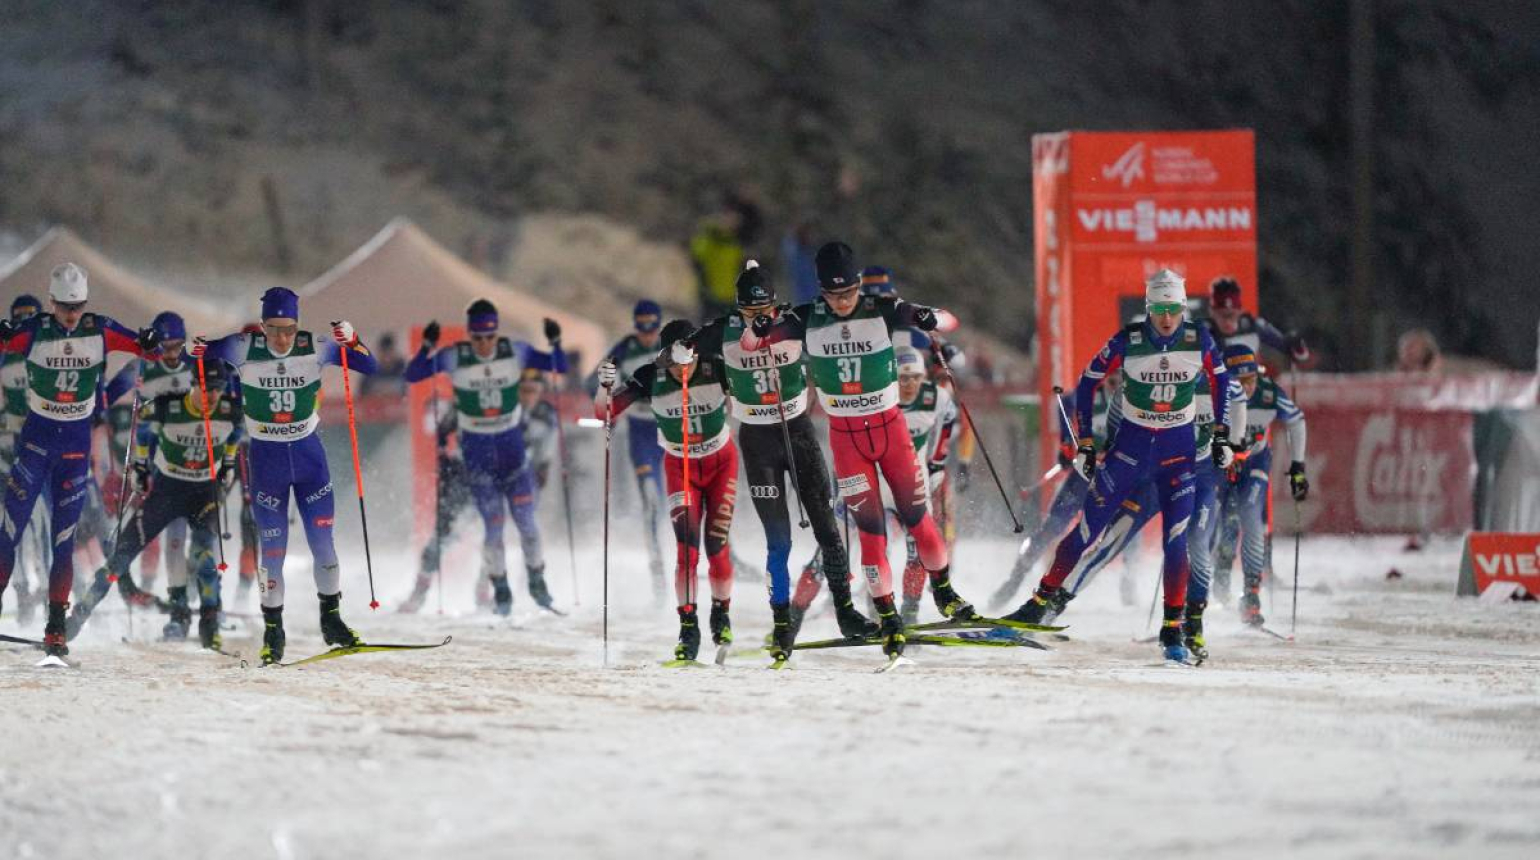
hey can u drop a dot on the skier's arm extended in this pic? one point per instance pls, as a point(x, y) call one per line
point(122, 382)
point(1218, 376)
point(626, 393)
point(1293, 419)
point(1105, 362)
point(427, 363)
point(791, 325)
point(343, 337)
point(120, 338)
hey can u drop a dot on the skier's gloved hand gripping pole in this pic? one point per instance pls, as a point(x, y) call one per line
point(343, 332)
point(925, 320)
point(208, 440)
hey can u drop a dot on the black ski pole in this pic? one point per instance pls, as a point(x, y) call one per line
point(438, 495)
point(609, 427)
point(1298, 532)
point(780, 411)
point(935, 349)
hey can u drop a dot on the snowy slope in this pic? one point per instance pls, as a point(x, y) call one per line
point(1402, 723)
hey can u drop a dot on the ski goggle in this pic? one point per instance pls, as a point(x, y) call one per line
point(1167, 308)
point(70, 306)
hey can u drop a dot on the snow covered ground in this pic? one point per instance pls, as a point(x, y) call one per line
point(1403, 723)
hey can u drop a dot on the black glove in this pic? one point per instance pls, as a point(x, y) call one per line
point(552, 330)
point(924, 318)
point(430, 333)
point(147, 339)
point(1298, 484)
point(141, 478)
point(6, 329)
point(1085, 458)
point(226, 477)
point(1219, 447)
point(761, 325)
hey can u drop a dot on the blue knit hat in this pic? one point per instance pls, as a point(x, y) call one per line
point(280, 302)
point(648, 315)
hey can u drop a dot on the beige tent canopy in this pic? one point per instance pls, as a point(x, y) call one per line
point(114, 292)
point(403, 278)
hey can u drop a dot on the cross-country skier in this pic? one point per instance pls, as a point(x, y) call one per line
point(702, 510)
point(1229, 324)
point(1250, 495)
point(634, 351)
point(849, 342)
point(167, 372)
point(770, 399)
point(1160, 360)
point(540, 421)
point(485, 372)
point(171, 474)
point(280, 378)
point(66, 354)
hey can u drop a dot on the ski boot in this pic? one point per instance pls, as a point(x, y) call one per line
point(910, 611)
point(1251, 607)
point(782, 636)
point(208, 627)
point(537, 590)
point(689, 634)
point(852, 624)
point(419, 595)
point(135, 596)
point(948, 601)
point(502, 596)
point(273, 639)
point(1192, 631)
point(1045, 599)
point(333, 631)
point(721, 624)
point(181, 614)
point(1057, 605)
point(1171, 646)
point(797, 613)
point(53, 631)
point(890, 627)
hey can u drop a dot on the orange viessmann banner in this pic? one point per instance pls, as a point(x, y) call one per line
point(1500, 557)
point(1113, 207)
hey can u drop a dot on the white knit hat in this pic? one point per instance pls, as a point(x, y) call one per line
point(910, 360)
point(1165, 287)
point(67, 283)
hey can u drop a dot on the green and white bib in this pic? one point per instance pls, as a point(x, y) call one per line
point(487, 390)
point(181, 449)
point(63, 369)
point(753, 381)
point(1158, 383)
point(13, 383)
point(708, 411)
point(155, 378)
point(928, 411)
point(852, 360)
point(280, 393)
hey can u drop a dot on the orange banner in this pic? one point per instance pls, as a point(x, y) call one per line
point(1111, 208)
point(1500, 557)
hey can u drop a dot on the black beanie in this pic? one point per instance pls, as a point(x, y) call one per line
point(837, 268)
point(754, 287)
point(676, 330)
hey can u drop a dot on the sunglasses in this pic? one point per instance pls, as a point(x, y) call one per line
point(848, 292)
point(491, 335)
point(70, 306)
point(1167, 309)
point(291, 328)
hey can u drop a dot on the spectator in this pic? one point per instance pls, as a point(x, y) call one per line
point(1417, 352)
point(717, 254)
point(797, 250)
point(392, 365)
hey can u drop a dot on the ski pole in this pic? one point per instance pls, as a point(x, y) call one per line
point(208, 439)
point(780, 411)
point(935, 349)
point(358, 472)
point(566, 488)
point(1155, 601)
point(1298, 530)
point(609, 427)
point(438, 494)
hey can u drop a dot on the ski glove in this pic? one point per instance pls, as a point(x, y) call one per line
point(1085, 458)
point(552, 330)
point(430, 334)
point(141, 478)
point(924, 318)
point(681, 353)
point(226, 476)
point(6, 329)
point(1223, 454)
point(342, 332)
point(761, 326)
point(1298, 484)
point(608, 373)
point(200, 347)
point(147, 339)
